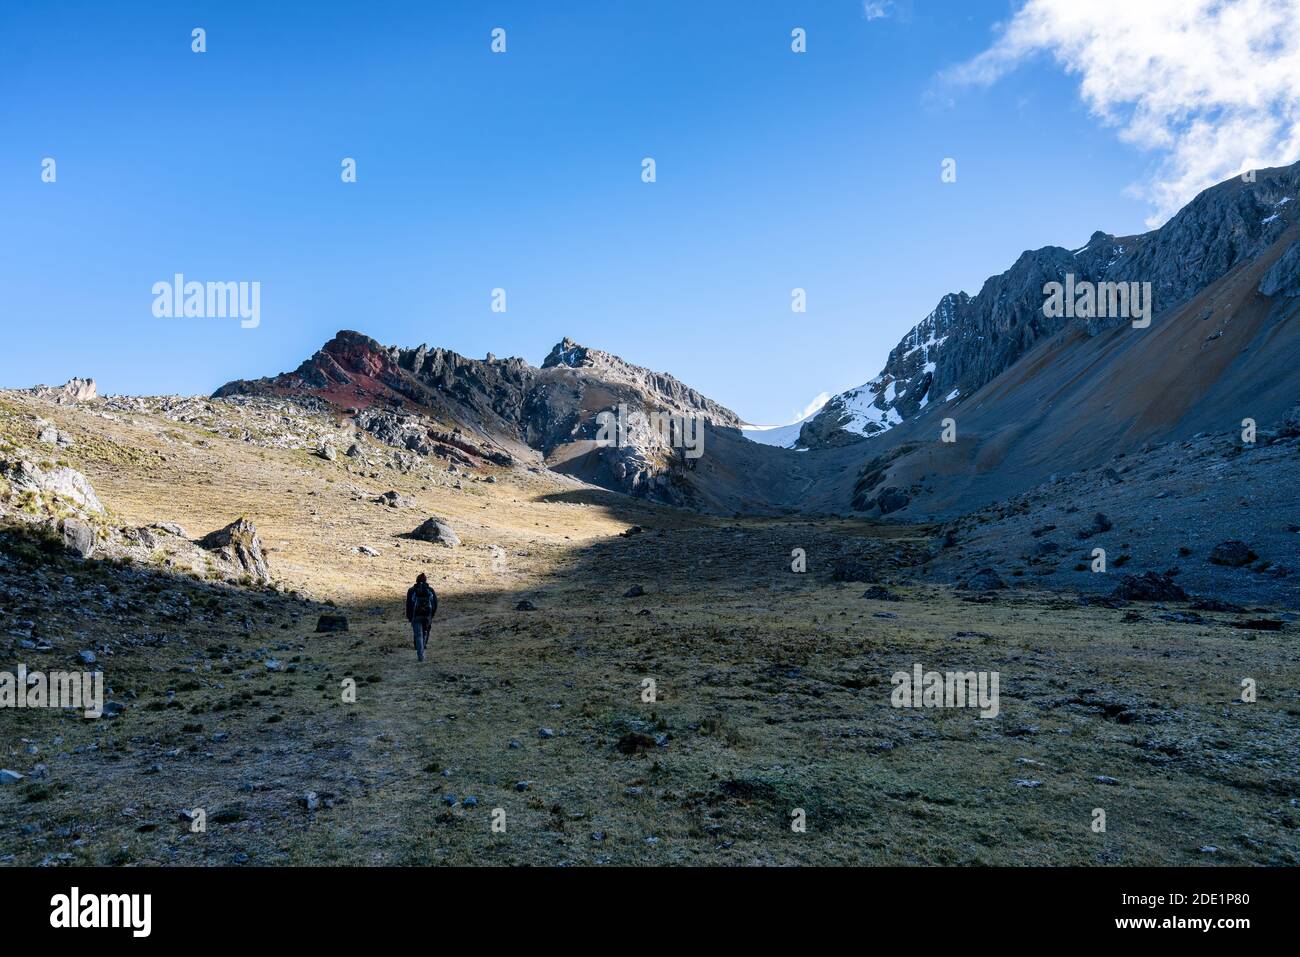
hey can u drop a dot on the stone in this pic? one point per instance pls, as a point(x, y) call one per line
point(986, 579)
point(438, 531)
point(636, 591)
point(1149, 586)
point(1232, 554)
point(329, 623)
point(238, 544)
point(79, 538)
point(9, 777)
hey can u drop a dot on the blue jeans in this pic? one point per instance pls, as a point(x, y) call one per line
point(420, 631)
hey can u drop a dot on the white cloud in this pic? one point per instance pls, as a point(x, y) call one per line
point(876, 9)
point(812, 406)
point(1211, 85)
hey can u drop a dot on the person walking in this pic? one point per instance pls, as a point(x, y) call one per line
point(421, 606)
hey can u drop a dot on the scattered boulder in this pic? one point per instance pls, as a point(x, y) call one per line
point(394, 500)
point(79, 538)
point(9, 777)
point(239, 545)
point(52, 436)
point(1100, 523)
point(325, 449)
point(636, 591)
point(438, 531)
point(328, 623)
point(354, 451)
point(1149, 586)
point(525, 605)
point(1232, 553)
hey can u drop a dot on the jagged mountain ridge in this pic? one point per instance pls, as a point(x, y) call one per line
point(967, 341)
point(433, 400)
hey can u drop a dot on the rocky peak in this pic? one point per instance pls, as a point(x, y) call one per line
point(967, 341)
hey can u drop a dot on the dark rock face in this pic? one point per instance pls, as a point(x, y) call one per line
point(1233, 553)
point(1149, 586)
point(239, 545)
point(967, 341)
point(438, 531)
point(331, 623)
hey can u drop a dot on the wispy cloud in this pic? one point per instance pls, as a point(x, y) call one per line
point(1212, 85)
point(876, 9)
point(812, 407)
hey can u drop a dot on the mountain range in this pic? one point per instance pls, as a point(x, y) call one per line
point(1029, 395)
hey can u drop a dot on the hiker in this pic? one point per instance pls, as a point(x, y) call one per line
point(421, 606)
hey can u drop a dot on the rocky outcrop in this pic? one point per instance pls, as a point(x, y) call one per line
point(71, 392)
point(60, 480)
point(239, 546)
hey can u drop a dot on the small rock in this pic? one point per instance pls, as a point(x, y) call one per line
point(636, 591)
point(332, 623)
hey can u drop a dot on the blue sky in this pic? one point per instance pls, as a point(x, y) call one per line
point(522, 171)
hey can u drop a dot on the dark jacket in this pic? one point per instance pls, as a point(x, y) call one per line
point(410, 600)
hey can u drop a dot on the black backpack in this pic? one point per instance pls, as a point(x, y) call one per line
point(424, 602)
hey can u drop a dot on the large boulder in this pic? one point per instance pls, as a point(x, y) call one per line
point(436, 530)
point(60, 480)
point(239, 546)
point(329, 623)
